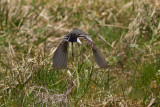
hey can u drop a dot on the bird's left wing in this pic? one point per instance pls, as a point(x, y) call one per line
point(100, 60)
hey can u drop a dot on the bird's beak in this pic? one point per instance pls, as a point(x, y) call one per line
point(79, 41)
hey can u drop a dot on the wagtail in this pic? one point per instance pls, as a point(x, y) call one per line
point(61, 53)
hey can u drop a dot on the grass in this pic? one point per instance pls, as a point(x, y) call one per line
point(126, 32)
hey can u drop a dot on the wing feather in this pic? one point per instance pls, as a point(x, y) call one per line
point(99, 59)
point(96, 53)
point(60, 55)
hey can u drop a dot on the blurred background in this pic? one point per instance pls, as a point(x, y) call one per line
point(127, 32)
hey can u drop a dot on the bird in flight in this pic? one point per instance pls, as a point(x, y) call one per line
point(61, 54)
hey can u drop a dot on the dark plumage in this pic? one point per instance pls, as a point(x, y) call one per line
point(61, 53)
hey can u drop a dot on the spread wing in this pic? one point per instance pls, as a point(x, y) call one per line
point(61, 54)
point(96, 53)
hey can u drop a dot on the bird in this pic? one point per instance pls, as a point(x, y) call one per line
point(60, 56)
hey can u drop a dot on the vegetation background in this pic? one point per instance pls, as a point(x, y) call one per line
point(126, 31)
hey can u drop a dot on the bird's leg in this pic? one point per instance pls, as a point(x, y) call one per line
point(72, 52)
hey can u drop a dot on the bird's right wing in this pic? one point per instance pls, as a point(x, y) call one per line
point(60, 55)
point(96, 53)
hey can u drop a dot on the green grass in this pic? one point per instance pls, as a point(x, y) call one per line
point(127, 34)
